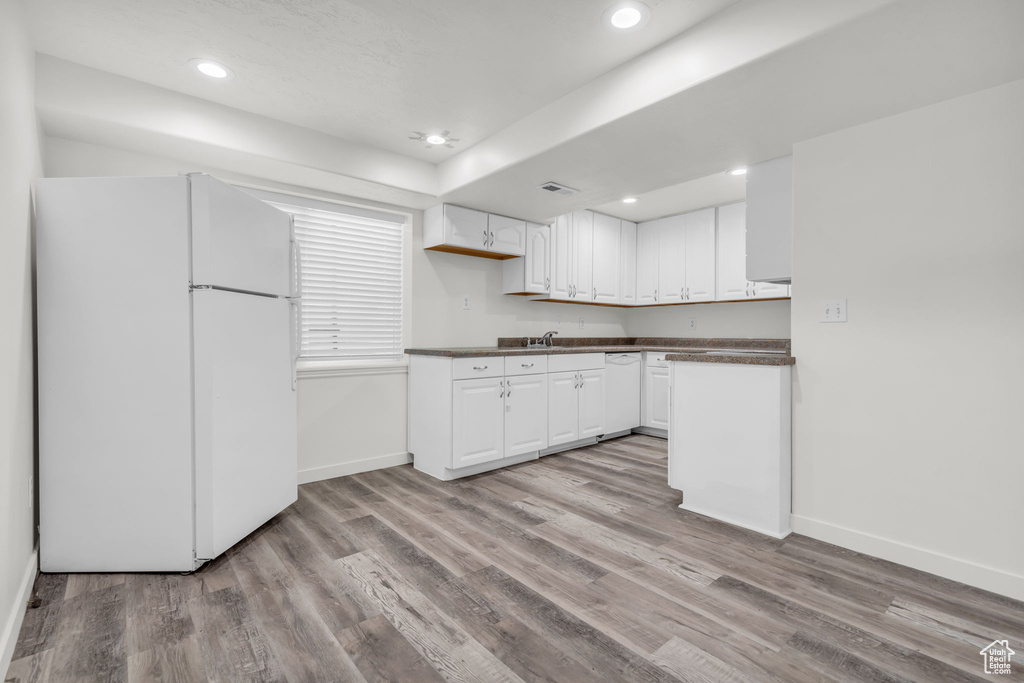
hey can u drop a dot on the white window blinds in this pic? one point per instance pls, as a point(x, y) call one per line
point(351, 281)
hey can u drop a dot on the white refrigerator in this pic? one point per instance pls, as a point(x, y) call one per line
point(167, 341)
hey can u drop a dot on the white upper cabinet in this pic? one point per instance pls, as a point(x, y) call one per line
point(562, 259)
point(507, 235)
point(700, 256)
point(733, 284)
point(647, 236)
point(627, 264)
point(607, 276)
point(768, 290)
point(532, 273)
point(770, 221)
point(583, 251)
point(671, 260)
point(467, 231)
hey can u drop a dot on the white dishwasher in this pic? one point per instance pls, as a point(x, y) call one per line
point(622, 398)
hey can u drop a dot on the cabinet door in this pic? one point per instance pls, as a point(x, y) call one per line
point(606, 278)
point(671, 260)
point(526, 414)
point(508, 235)
point(656, 381)
point(647, 235)
point(627, 264)
point(768, 290)
point(583, 255)
point(478, 420)
point(538, 258)
point(465, 228)
point(563, 408)
point(561, 258)
point(700, 255)
point(732, 253)
point(591, 403)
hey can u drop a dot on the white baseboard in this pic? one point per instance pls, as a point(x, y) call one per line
point(973, 574)
point(12, 624)
point(342, 469)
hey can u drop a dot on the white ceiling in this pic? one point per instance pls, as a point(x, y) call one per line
point(368, 71)
point(327, 91)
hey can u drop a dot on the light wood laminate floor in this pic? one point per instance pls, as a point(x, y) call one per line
point(577, 567)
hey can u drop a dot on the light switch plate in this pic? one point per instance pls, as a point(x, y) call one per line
point(833, 311)
point(581, 322)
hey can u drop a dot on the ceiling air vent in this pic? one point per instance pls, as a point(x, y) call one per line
point(558, 189)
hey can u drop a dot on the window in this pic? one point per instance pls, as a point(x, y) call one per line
point(352, 279)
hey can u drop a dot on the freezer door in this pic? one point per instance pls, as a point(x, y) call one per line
point(239, 242)
point(245, 415)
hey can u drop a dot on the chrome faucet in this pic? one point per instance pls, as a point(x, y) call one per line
point(540, 341)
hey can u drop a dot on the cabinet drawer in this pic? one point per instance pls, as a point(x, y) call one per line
point(468, 368)
point(525, 365)
point(568, 362)
point(655, 360)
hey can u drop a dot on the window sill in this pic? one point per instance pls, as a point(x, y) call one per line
point(317, 369)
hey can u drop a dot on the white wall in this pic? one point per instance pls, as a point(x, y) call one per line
point(907, 437)
point(19, 165)
point(747, 319)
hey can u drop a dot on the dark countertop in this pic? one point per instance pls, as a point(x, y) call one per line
point(742, 351)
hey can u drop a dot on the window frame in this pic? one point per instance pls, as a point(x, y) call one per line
point(339, 367)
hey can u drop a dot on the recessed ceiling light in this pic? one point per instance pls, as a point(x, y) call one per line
point(738, 171)
point(629, 15)
point(432, 139)
point(211, 68)
point(629, 200)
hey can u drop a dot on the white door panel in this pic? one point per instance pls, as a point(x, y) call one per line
point(526, 414)
point(732, 253)
point(239, 242)
point(671, 260)
point(465, 228)
point(700, 255)
point(606, 270)
point(627, 264)
point(245, 415)
point(508, 235)
point(583, 255)
point(591, 403)
point(561, 259)
point(478, 416)
point(656, 387)
point(647, 236)
point(538, 258)
point(563, 408)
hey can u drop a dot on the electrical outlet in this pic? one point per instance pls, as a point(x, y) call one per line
point(833, 311)
point(693, 323)
point(465, 302)
point(581, 322)
point(558, 322)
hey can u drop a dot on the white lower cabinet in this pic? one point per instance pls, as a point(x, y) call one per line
point(526, 414)
point(478, 421)
point(563, 408)
point(591, 403)
point(575, 406)
point(474, 414)
point(654, 411)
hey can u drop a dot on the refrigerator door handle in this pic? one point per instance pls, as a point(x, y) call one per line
point(294, 340)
